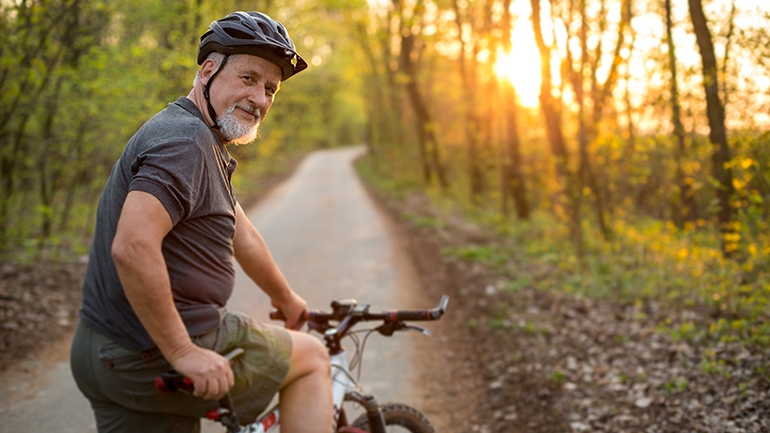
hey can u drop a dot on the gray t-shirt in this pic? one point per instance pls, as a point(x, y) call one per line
point(181, 161)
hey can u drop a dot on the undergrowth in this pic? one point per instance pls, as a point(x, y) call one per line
point(710, 299)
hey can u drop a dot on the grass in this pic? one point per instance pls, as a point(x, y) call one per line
point(647, 261)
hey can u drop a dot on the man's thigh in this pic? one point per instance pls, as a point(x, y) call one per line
point(260, 371)
point(116, 379)
point(113, 418)
point(120, 385)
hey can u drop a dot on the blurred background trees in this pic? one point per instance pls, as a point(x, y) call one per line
point(590, 116)
point(78, 77)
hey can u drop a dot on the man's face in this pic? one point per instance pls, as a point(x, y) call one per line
point(242, 93)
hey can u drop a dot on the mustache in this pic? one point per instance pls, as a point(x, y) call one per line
point(254, 111)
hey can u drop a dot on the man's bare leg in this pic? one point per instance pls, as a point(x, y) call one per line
point(306, 395)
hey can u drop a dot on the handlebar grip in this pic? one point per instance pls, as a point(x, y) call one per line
point(417, 315)
point(172, 381)
point(434, 314)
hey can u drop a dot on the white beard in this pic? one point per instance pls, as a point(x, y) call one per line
point(236, 132)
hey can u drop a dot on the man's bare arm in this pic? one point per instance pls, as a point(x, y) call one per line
point(136, 251)
point(253, 255)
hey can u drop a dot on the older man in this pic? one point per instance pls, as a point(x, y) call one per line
point(161, 265)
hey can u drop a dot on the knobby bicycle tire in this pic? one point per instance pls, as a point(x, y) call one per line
point(397, 414)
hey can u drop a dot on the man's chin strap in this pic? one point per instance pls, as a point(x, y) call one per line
point(212, 113)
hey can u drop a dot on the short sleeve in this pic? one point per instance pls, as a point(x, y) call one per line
point(172, 172)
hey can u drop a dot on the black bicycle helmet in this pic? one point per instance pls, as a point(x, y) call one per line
point(248, 33)
point(252, 33)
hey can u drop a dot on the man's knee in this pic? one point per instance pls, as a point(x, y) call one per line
point(308, 355)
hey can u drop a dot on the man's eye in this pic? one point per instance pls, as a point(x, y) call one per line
point(271, 90)
point(249, 79)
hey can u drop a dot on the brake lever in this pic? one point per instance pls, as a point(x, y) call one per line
point(417, 328)
point(388, 328)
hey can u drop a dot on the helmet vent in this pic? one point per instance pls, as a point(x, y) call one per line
point(265, 29)
point(238, 34)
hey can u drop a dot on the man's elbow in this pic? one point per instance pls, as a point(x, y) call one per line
point(126, 252)
point(120, 252)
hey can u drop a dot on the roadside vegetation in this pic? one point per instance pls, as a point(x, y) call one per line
point(655, 332)
point(648, 261)
point(632, 162)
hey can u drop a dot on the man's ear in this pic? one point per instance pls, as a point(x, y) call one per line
point(208, 68)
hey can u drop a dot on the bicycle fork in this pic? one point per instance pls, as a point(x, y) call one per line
point(373, 413)
point(344, 389)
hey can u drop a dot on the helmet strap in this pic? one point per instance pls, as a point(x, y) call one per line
point(212, 112)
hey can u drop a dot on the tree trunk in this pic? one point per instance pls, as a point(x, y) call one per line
point(565, 195)
point(468, 77)
point(682, 210)
point(515, 184)
point(74, 175)
point(586, 177)
point(718, 132)
point(726, 61)
point(429, 148)
point(513, 172)
point(45, 173)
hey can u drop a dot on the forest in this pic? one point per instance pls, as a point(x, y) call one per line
point(623, 143)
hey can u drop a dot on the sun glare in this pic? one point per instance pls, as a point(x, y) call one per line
point(521, 66)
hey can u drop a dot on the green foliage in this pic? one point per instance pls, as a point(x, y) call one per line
point(558, 377)
point(648, 260)
point(631, 212)
point(489, 255)
point(519, 282)
point(79, 77)
point(711, 364)
point(676, 385)
point(421, 221)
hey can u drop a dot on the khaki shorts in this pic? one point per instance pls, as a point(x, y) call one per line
point(120, 383)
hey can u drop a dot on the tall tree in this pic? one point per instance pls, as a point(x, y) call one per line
point(426, 128)
point(685, 208)
point(468, 76)
point(513, 171)
point(565, 195)
point(720, 156)
point(592, 95)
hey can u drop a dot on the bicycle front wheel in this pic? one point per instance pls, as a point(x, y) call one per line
point(399, 418)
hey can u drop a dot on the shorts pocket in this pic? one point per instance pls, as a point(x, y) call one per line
point(117, 358)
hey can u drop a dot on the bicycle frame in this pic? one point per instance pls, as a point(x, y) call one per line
point(344, 387)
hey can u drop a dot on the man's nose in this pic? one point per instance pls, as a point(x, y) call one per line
point(258, 97)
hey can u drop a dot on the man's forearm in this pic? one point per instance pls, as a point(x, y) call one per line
point(253, 255)
point(255, 259)
point(146, 284)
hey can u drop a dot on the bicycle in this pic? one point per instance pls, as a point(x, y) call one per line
point(346, 314)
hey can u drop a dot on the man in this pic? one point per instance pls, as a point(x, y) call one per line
point(160, 269)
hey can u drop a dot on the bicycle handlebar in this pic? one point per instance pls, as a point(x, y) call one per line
point(342, 309)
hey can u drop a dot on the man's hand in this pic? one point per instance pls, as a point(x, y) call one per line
point(209, 371)
point(292, 308)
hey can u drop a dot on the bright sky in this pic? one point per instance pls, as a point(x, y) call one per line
point(522, 65)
